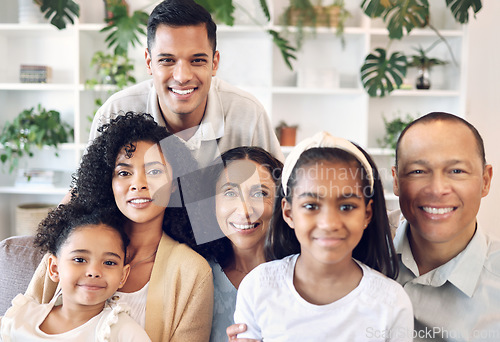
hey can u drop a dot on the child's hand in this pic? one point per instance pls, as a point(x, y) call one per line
point(233, 330)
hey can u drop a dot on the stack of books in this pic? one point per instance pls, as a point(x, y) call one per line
point(35, 74)
point(37, 178)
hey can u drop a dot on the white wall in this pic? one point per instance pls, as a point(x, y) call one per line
point(483, 100)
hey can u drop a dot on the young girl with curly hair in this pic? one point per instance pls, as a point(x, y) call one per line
point(134, 168)
point(87, 251)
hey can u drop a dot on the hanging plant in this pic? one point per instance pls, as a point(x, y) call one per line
point(223, 10)
point(397, 15)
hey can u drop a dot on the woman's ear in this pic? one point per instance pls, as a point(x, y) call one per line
point(52, 268)
point(286, 209)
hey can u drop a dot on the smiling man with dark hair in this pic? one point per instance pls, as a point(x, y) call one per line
point(208, 114)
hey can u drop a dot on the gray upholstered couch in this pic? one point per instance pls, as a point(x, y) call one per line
point(18, 261)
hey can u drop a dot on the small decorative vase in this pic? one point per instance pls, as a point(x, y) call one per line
point(287, 136)
point(29, 12)
point(423, 81)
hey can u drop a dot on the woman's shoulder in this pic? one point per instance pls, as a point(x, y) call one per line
point(172, 254)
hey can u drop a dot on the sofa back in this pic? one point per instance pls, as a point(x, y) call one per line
point(18, 261)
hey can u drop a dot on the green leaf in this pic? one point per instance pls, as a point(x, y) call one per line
point(375, 8)
point(124, 30)
point(285, 48)
point(222, 10)
point(265, 9)
point(398, 15)
point(460, 9)
point(60, 11)
point(32, 129)
point(406, 14)
point(380, 75)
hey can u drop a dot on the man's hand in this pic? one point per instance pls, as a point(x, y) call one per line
point(233, 330)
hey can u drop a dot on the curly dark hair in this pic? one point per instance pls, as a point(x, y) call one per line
point(92, 183)
point(62, 221)
point(221, 250)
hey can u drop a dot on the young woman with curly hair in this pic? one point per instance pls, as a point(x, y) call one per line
point(133, 169)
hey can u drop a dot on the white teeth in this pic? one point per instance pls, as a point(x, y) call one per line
point(182, 92)
point(140, 201)
point(244, 226)
point(439, 211)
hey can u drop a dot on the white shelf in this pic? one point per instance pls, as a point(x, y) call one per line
point(249, 60)
point(33, 190)
point(38, 86)
point(317, 91)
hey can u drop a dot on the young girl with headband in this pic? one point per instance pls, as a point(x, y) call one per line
point(335, 277)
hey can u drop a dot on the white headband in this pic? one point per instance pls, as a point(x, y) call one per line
point(323, 139)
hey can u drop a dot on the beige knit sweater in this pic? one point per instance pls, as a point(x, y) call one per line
point(180, 294)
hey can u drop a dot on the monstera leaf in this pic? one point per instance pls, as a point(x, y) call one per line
point(58, 11)
point(222, 10)
point(380, 75)
point(460, 9)
point(397, 15)
point(124, 29)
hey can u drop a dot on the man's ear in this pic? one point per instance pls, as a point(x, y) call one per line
point(395, 181)
point(215, 63)
point(125, 274)
point(147, 57)
point(286, 210)
point(53, 269)
point(487, 175)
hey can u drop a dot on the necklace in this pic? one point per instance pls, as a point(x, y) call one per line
point(238, 270)
point(143, 260)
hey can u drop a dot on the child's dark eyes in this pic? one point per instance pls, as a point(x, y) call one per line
point(347, 207)
point(311, 206)
point(79, 260)
point(110, 263)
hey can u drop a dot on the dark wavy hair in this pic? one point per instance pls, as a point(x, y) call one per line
point(92, 183)
point(60, 223)
point(221, 250)
point(177, 13)
point(375, 248)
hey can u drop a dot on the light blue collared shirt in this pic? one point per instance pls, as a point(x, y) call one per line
point(458, 301)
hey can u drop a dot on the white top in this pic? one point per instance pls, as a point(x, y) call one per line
point(22, 321)
point(378, 309)
point(458, 301)
point(232, 118)
point(136, 301)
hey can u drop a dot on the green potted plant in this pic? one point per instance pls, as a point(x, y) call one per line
point(32, 128)
point(424, 64)
point(303, 13)
point(382, 72)
point(112, 69)
point(393, 129)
